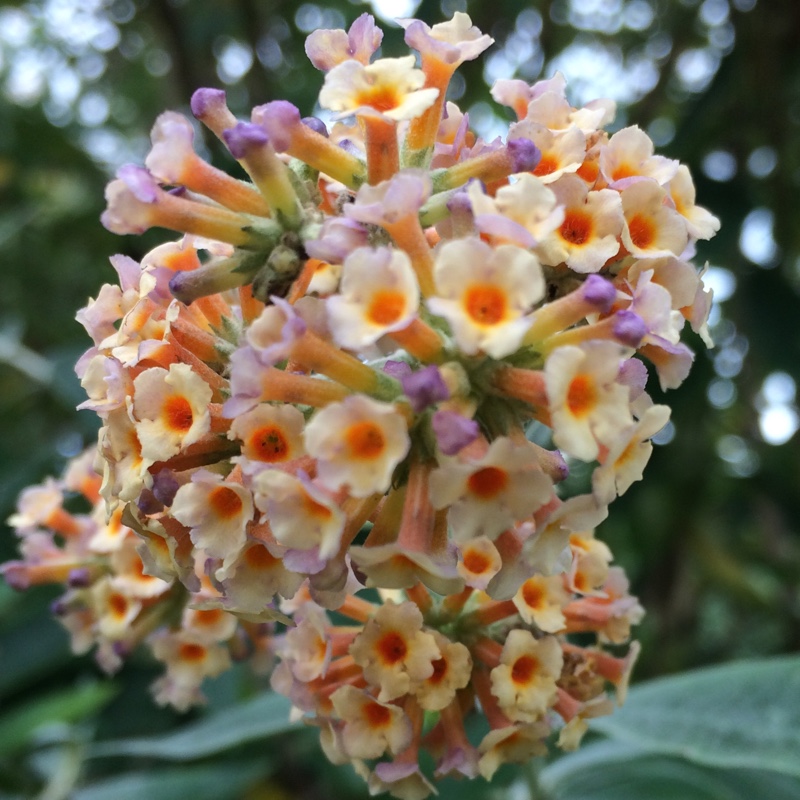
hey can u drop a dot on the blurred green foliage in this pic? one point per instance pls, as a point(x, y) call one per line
point(710, 539)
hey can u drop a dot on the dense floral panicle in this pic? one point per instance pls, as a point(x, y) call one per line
point(333, 382)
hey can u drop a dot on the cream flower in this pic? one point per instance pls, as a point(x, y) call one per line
point(299, 514)
point(306, 648)
point(393, 650)
point(370, 727)
point(378, 294)
point(587, 405)
point(484, 293)
point(629, 153)
point(189, 659)
point(628, 456)
point(389, 87)
point(525, 212)
point(702, 224)
point(217, 511)
point(171, 410)
point(562, 152)
point(357, 443)
point(479, 562)
point(270, 434)
point(451, 42)
point(451, 671)
point(540, 601)
point(588, 235)
point(652, 229)
point(251, 580)
point(489, 495)
point(524, 682)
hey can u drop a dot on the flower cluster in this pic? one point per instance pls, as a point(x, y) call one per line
point(370, 367)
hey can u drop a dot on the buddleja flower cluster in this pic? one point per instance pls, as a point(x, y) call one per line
point(356, 385)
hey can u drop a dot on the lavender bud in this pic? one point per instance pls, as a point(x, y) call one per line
point(599, 292)
point(524, 154)
point(629, 328)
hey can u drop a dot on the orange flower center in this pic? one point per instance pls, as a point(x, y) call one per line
point(387, 306)
point(365, 440)
point(225, 502)
point(208, 616)
point(118, 605)
point(377, 716)
point(392, 648)
point(581, 396)
point(269, 444)
point(589, 170)
point(258, 557)
point(533, 594)
point(577, 227)
point(192, 652)
point(485, 304)
point(623, 170)
point(548, 164)
point(524, 669)
point(642, 230)
point(439, 671)
point(314, 509)
point(476, 562)
point(178, 413)
point(381, 98)
point(488, 482)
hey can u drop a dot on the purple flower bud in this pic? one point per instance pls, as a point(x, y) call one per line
point(277, 118)
point(59, 608)
point(599, 292)
point(148, 503)
point(243, 137)
point(140, 182)
point(121, 649)
point(453, 432)
point(79, 578)
point(316, 125)
point(204, 100)
point(165, 486)
point(525, 155)
point(424, 388)
point(563, 471)
point(397, 369)
point(555, 465)
point(16, 574)
point(459, 203)
point(629, 328)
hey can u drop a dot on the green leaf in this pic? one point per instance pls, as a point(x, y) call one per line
point(263, 716)
point(620, 771)
point(17, 728)
point(745, 714)
point(213, 782)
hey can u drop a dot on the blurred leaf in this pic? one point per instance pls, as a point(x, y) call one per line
point(745, 714)
point(217, 782)
point(17, 728)
point(33, 649)
point(622, 771)
point(263, 716)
